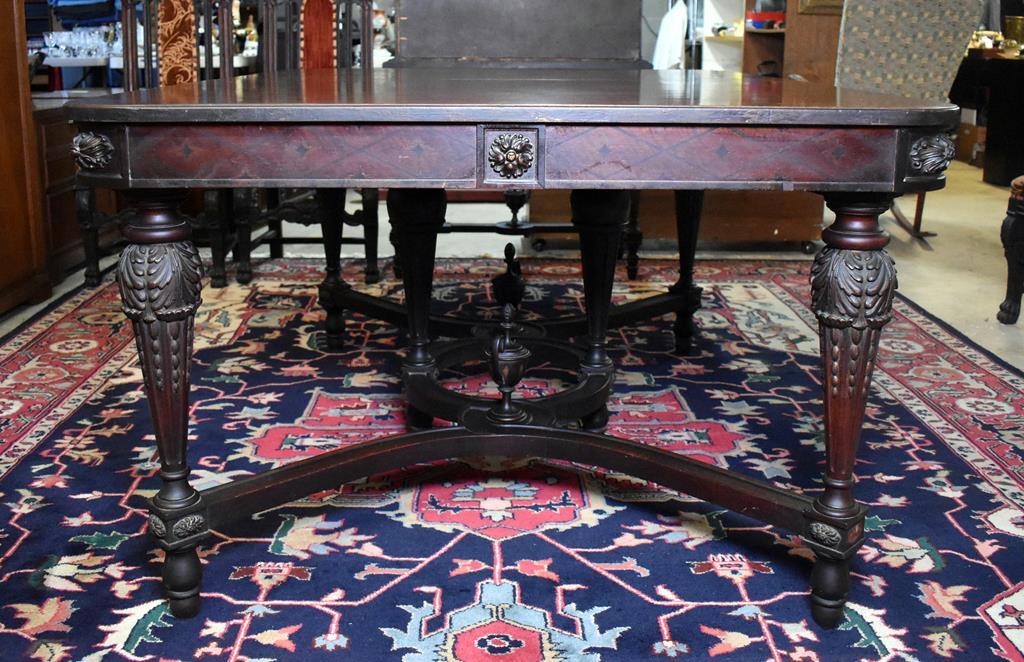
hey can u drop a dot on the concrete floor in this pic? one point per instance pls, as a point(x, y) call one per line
point(959, 276)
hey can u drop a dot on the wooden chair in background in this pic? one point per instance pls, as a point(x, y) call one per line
point(170, 57)
point(311, 40)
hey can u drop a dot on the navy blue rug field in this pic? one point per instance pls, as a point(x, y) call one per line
point(507, 559)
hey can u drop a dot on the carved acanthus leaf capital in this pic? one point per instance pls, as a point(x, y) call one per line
point(160, 281)
point(851, 288)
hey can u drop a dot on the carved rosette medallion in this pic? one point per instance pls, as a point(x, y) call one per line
point(931, 155)
point(189, 525)
point(511, 155)
point(825, 534)
point(157, 526)
point(92, 150)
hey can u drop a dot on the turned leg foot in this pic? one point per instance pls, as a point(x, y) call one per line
point(182, 575)
point(417, 420)
point(830, 584)
point(595, 421)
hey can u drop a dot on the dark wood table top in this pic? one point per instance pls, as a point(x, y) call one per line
point(522, 96)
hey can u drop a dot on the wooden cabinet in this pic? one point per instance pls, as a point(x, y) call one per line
point(57, 175)
point(23, 275)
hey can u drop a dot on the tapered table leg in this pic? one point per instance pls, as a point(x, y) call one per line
point(599, 217)
point(853, 281)
point(160, 280)
point(689, 205)
point(416, 216)
point(633, 237)
point(331, 203)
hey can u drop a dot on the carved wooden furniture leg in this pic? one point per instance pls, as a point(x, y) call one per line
point(689, 205)
point(416, 216)
point(331, 206)
point(243, 235)
point(599, 216)
point(1012, 235)
point(632, 237)
point(160, 280)
point(371, 225)
point(85, 208)
point(853, 281)
point(274, 225)
point(217, 212)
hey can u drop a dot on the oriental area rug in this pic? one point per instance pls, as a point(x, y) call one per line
point(507, 559)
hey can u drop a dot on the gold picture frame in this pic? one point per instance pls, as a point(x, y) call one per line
point(821, 7)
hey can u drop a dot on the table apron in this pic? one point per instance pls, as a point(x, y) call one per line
point(462, 156)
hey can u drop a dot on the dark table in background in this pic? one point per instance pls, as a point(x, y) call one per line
point(995, 86)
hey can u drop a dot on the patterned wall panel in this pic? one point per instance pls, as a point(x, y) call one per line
point(909, 48)
point(177, 42)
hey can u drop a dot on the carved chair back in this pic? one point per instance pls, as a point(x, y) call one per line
point(908, 48)
point(170, 42)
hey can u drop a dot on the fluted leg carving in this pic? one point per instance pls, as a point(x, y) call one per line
point(853, 282)
point(159, 275)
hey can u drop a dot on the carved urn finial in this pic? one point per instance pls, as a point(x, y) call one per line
point(511, 155)
point(509, 287)
point(508, 363)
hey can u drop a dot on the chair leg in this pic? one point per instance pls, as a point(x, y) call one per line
point(689, 205)
point(85, 209)
point(1012, 235)
point(371, 199)
point(632, 237)
point(331, 204)
point(396, 262)
point(913, 228)
point(275, 225)
point(243, 239)
point(216, 227)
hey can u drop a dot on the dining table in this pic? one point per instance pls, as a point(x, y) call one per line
point(599, 133)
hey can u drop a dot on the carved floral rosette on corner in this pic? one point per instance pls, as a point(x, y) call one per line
point(92, 150)
point(931, 155)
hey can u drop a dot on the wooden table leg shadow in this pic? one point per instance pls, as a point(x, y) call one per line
point(853, 281)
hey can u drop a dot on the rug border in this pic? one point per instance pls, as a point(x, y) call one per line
point(48, 308)
point(953, 331)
